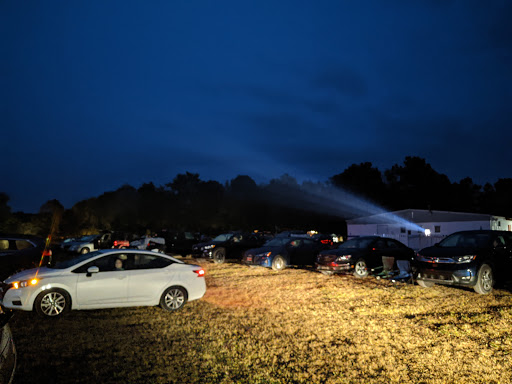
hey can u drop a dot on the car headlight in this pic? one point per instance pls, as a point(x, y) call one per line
point(206, 247)
point(23, 283)
point(343, 258)
point(264, 254)
point(465, 259)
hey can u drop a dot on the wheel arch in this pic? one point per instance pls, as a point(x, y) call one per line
point(70, 292)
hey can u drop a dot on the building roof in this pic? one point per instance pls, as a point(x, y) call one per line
point(420, 216)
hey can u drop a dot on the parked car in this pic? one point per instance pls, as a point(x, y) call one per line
point(179, 242)
point(361, 254)
point(121, 240)
point(468, 258)
point(280, 252)
point(106, 279)
point(91, 243)
point(7, 349)
point(149, 243)
point(21, 252)
point(230, 245)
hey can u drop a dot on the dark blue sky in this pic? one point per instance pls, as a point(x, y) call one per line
point(97, 94)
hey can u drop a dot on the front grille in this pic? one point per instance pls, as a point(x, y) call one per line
point(324, 259)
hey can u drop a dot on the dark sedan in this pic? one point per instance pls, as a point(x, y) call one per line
point(231, 245)
point(282, 251)
point(20, 252)
point(361, 254)
point(468, 258)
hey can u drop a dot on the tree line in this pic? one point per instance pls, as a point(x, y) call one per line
point(189, 203)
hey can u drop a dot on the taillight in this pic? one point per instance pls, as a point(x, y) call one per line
point(47, 252)
point(115, 243)
point(200, 272)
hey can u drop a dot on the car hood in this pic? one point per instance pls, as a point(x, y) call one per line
point(273, 249)
point(205, 243)
point(343, 251)
point(27, 274)
point(451, 251)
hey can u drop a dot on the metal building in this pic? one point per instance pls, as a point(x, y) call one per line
point(419, 228)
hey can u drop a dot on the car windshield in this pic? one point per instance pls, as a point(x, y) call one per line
point(466, 240)
point(277, 242)
point(87, 238)
point(223, 237)
point(357, 243)
point(69, 263)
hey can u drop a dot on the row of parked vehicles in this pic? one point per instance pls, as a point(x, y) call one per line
point(121, 277)
point(476, 259)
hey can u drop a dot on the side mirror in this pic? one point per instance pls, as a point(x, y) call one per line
point(92, 270)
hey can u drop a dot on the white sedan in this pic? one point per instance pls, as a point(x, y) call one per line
point(105, 279)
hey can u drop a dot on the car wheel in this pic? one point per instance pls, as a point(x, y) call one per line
point(425, 284)
point(52, 303)
point(84, 250)
point(173, 298)
point(278, 263)
point(360, 269)
point(219, 255)
point(484, 280)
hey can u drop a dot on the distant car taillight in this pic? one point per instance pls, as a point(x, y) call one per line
point(200, 272)
point(47, 252)
point(115, 243)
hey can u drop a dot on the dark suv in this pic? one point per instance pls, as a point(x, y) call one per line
point(468, 258)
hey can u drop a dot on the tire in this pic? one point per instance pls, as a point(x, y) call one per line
point(360, 269)
point(425, 284)
point(85, 250)
point(173, 298)
point(279, 263)
point(484, 280)
point(52, 303)
point(219, 255)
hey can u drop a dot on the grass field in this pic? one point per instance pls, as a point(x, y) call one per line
point(296, 326)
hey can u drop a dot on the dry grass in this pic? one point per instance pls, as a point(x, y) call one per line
point(259, 326)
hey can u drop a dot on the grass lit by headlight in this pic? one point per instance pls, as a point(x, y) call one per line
point(255, 325)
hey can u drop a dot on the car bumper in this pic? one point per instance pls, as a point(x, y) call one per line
point(338, 268)
point(466, 277)
point(257, 262)
point(202, 254)
point(21, 299)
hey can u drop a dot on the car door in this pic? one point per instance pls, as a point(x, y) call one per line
point(306, 252)
point(148, 276)
point(503, 250)
point(376, 250)
point(106, 288)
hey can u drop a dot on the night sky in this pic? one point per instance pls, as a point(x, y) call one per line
point(97, 94)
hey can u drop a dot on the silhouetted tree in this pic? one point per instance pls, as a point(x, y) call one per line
point(363, 180)
point(417, 185)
